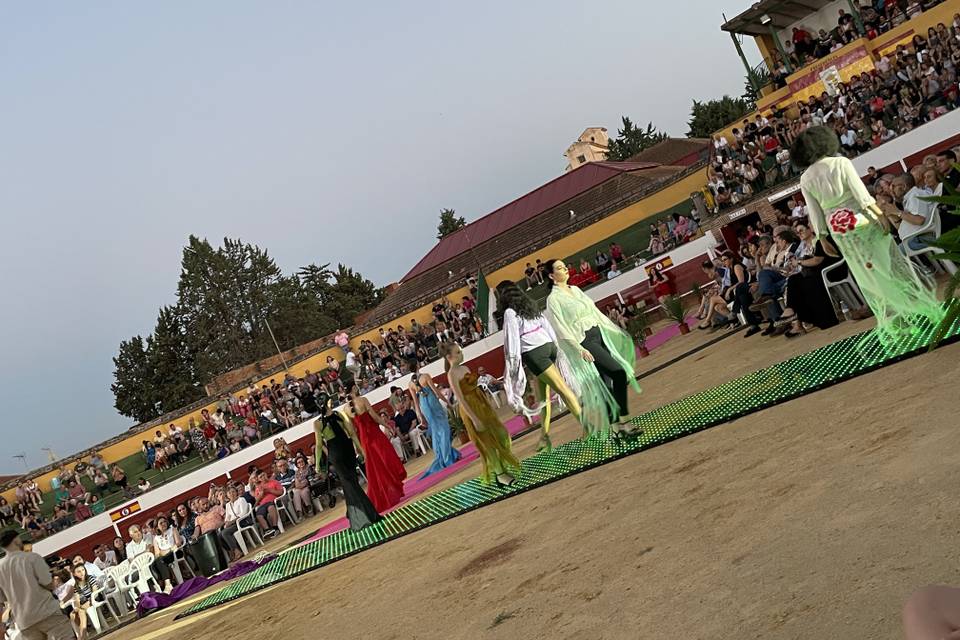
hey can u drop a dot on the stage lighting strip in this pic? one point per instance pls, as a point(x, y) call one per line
point(784, 381)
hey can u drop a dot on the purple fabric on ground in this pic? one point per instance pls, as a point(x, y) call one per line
point(152, 601)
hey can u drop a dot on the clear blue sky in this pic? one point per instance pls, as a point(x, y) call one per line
point(127, 126)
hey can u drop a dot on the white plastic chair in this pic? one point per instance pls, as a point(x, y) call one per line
point(280, 502)
point(250, 529)
point(932, 227)
point(419, 440)
point(180, 559)
point(847, 289)
point(140, 575)
point(494, 395)
point(97, 618)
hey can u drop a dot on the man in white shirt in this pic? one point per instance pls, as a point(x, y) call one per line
point(105, 558)
point(916, 212)
point(27, 585)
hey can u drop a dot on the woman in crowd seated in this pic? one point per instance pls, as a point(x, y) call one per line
point(166, 542)
point(77, 596)
point(237, 512)
point(807, 299)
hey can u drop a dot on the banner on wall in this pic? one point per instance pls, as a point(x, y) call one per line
point(659, 265)
point(846, 65)
point(125, 511)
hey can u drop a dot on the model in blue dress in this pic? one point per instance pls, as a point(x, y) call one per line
point(434, 413)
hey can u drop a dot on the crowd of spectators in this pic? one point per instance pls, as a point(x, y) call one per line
point(215, 519)
point(876, 16)
point(913, 85)
point(774, 276)
point(239, 420)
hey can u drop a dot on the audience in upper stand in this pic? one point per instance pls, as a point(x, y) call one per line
point(911, 86)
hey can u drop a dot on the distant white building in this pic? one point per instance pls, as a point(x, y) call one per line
point(591, 146)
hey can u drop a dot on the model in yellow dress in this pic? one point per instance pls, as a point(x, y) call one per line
point(484, 427)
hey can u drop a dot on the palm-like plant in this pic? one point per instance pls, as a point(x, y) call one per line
point(673, 307)
point(950, 243)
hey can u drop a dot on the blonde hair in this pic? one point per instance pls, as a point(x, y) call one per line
point(446, 348)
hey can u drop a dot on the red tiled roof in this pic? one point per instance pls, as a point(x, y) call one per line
point(674, 151)
point(524, 208)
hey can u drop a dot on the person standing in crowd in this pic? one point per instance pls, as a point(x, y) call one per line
point(486, 430)
point(587, 335)
point(26, 585)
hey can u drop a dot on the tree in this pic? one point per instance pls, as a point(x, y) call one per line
point(750, 95)
point(171, 362)
point(631, 140)
point(342, 294)
point(449, 222)
point(713, 115)
point(133, 390)
point(226, 296)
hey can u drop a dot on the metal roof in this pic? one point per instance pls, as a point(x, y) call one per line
point(783, 13)
point(524, 208)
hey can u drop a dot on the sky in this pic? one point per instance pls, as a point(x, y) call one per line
point(323, 132)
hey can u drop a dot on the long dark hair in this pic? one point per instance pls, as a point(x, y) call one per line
point(510, 296)
point(550, 263)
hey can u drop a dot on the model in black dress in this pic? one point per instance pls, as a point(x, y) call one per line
point(331, 429)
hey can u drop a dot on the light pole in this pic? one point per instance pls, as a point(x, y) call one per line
point(23, 458)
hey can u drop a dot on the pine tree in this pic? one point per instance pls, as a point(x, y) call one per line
point(133, 389)
point(713, 115)
point(631, 140)
point(449, 222)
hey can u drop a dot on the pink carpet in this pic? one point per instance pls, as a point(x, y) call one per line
point(415, 486)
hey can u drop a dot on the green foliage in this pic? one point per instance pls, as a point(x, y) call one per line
point(133, 390)
point(456, 422)
point(950, 243)
point(226, 296)
point(637, 328)
point(631, 140)
point(449, 222)
point(673, 307)
point(750, 95)
point(708, 117)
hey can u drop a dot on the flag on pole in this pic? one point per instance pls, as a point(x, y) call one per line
point(485, 305)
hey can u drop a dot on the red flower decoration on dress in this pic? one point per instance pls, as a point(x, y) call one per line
point(843, 220)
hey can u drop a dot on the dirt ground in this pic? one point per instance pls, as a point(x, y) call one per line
point(814, 519)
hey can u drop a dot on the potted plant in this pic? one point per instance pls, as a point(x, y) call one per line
point(457, 427)
point(673, 307)
point(949, 242)
point(637, 327)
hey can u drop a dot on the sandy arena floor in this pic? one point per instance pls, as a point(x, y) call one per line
point(814, 519)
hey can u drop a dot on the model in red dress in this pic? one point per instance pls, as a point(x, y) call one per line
point(385, 471)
